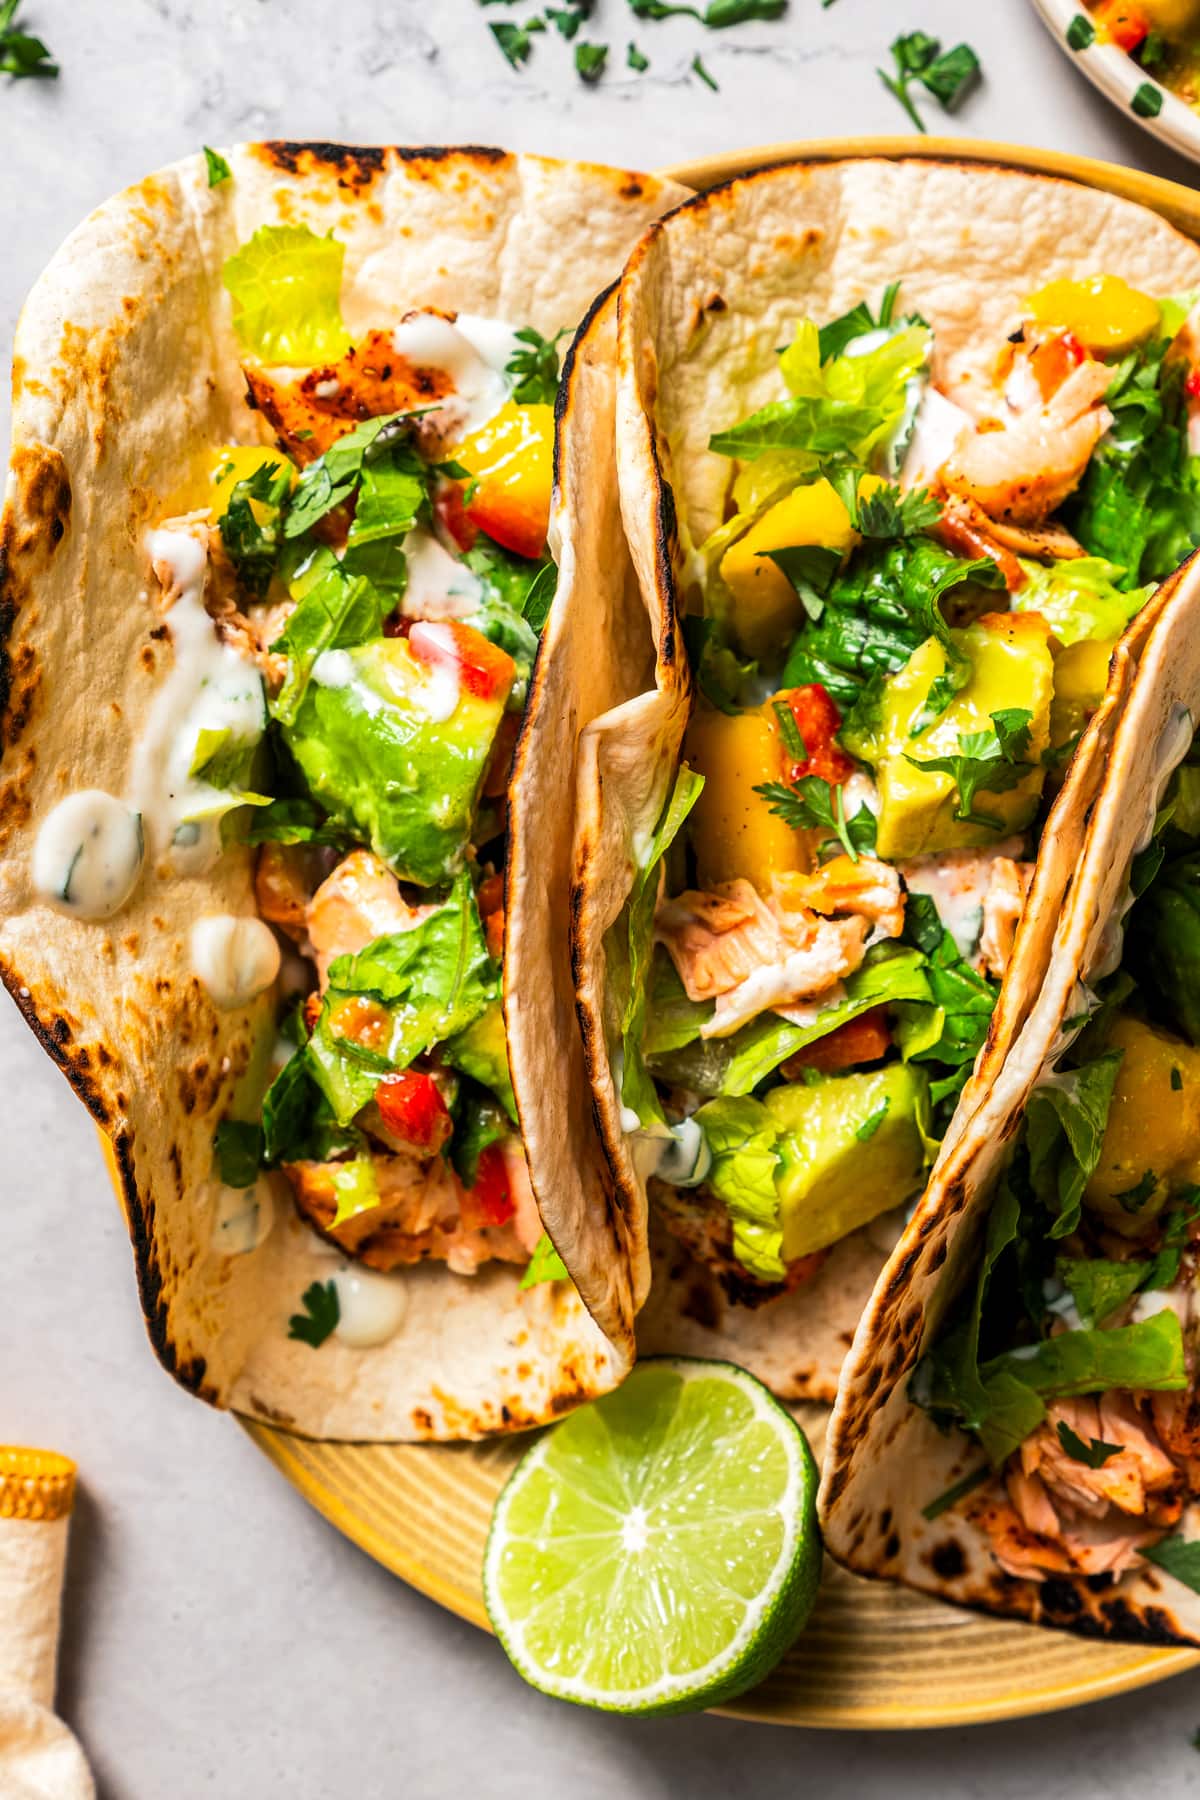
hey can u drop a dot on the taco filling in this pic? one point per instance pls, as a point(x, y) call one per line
point(354, 618)
point(897, 636)
point(1072, 1360)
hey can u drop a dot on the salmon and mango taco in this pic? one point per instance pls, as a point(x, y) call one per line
point(1018, 1427)
point(904, 449)
point(283, 466)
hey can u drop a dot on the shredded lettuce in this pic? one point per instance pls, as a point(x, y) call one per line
point(544, 1265)
point(847, 407)
point(430, 982)
point(1064, 1131)
point(637, 927)
point(1079, 598)
point(743, 1139)
point(286, 285)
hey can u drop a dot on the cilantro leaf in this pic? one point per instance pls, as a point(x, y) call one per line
point(709, 81)
point(569, 18)
point(720, 13)
point(1180, 1557)
point(334, 611)
point(589, 61)
point(636, 60)
point(21, 55)
point(218, 169)
point(251, 525)
point(872, 1122)
point(886, 512)
point(949, 76)
point(544, 1265)
point(814, 803)
point(336, 476)
point(1095, 1453)
point(534, 369)
point(238, 1150)
point(514, 41)
point(322, 1310)
point(986, 760)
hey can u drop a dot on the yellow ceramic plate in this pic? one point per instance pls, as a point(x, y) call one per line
point(874, 1656)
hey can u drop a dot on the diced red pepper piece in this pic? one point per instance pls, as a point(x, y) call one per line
point(452, 515)
point(483, 668)
point(861, 1040)
point(1191, 386)
point(1122, 24)
point(489, 1201)
point(411, 1106)
point(818, 721)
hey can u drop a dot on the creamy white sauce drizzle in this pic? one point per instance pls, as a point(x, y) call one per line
point(88, 854)
point(937, 430)
point(680, 1154)
point(480, 389)
point(210, 688)
point(242, 1217)
point(439, 586)
point(439, 694)
point(371, 1307)
point(235, 957)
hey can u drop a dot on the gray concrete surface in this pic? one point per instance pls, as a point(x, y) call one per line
point(220, 1639)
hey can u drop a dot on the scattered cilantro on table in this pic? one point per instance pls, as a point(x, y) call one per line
point(21, 54)
point(948, 75)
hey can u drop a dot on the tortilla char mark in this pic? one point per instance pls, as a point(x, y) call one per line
point(359, 166)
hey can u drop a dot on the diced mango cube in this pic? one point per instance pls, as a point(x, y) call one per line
point(734, 831)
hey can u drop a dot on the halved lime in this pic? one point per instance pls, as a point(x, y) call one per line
point(658, 1551)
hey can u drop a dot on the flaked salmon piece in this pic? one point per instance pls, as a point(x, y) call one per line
point(1031, 459)
point(1062, 1515)
point(310, 410)
point(283, 888)
point(749, 955)
point(1003, 903)
point(359, 902)
point(966, 529)
point(418, 1218)
point(868, 886)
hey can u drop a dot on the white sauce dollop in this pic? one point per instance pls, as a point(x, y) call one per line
point(371, 1307)
point(333, 669)
point(439, 586)
point(235, 957)
point(211, 688)
point(242, 1218)
point(431, 342)
point(88, 854)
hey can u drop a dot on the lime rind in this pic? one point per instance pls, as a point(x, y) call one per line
point(697, 1463)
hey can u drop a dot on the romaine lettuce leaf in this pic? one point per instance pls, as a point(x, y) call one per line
point(286, 285)
point(742, 1137)
point(333, 611)
point(636, 926)
point(1097, 1286)
point(430, 982)
point(1079, 598)
point(1064, 1133)
point(846, 407)
point(734, 1065)
point(1147, 1355)
point(544, 1265)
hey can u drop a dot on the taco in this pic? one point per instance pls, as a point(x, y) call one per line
point(1018, 1426)
point(275, 575)
point(902, 451)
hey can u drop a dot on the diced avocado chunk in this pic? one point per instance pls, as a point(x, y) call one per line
point(1011, 668)
point(1080, 678)
point(396, 753)
point(852, 1147)
point(481, 1052)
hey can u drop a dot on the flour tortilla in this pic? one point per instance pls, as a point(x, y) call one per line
point(127, 372)
point(885, 1461)
point(707, 297)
